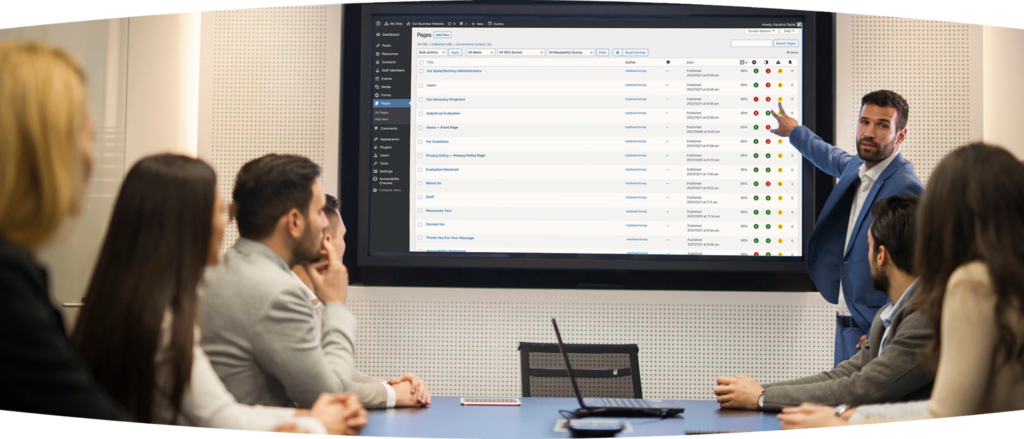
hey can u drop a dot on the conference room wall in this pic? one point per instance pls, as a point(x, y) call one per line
point(101, 48)
point(463, 341)
point(1003, 59)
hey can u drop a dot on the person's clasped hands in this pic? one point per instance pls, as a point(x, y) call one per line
point(339, 412)
point(410, 390)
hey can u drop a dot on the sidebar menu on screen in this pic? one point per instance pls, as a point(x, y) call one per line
point(389, 138)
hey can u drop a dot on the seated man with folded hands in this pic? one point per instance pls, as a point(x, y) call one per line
point(888, 367)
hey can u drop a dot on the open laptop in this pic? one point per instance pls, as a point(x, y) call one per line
point(615, 406)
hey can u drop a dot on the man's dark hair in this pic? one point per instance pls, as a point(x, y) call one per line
point(269, 187)
point(332, 207)
point(889, 99)
point(894, 227)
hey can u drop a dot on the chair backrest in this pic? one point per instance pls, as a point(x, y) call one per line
point(602, 370)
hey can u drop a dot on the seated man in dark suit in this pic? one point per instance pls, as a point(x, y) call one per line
point(888, 367)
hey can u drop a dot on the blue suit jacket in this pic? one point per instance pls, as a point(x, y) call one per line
point(828, 262)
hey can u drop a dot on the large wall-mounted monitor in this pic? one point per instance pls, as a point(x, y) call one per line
point(573, 139)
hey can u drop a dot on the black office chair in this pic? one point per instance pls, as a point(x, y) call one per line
point(602, 370)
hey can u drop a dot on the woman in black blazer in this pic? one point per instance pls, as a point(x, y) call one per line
point(45, 162)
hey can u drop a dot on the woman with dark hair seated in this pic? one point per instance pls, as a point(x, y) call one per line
point(137, 330)
point(970, 255)
point(45, 162)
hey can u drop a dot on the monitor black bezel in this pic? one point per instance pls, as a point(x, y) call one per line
point(547, 270)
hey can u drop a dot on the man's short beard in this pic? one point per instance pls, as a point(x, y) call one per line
point(879, 151)
point(880, 281)
point(307, 249)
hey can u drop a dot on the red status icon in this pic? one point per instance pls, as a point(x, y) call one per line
point(767, 70)
point(756, 254)
point(768, 127)
point(767, 183)
point(756, 113)
point(755, 98)
point(767, 140)
point(768, 84)
point(767, 99)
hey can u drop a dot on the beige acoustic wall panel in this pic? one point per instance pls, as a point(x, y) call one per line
point(464, 341)
point(269, 83)
point(935, 65)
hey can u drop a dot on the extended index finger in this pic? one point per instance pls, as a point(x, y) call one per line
point(332, 254)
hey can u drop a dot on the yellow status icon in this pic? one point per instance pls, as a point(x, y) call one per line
point(780, 154)
point(780, 212)
point(780, 169)
point(780, 226)
point(780, 98)
point(780, 70)
point(780, 183)
point(780, 240)
point(780, 84)
point(780, 197)
point(780, 142)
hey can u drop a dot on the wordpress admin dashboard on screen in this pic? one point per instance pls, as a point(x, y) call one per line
point(599, 137)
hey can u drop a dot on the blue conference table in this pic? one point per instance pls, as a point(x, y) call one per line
point(446, 418)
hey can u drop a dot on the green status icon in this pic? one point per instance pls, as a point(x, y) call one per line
point(756, 226)
point(767, 156)
point(756, 211)
point(756, 240)
point(756, 198)
point(757, 127)
point(756, 142)
point(755, 85)
point(767, 212)
point(767, 197)
point(755, 169)
point(767, 226)
point(767, 169)
point(755, 154)
point(756, 183)
point(769, 253)
point(767, 240)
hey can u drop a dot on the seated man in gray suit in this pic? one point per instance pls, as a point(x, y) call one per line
point(372, 396)
point(257, 318)
point(888, 367)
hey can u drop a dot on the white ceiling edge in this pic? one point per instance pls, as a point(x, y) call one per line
point(20, 13)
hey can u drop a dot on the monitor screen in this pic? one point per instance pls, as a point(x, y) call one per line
point(528, 137)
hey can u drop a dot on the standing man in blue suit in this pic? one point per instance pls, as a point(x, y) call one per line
point(838, 247)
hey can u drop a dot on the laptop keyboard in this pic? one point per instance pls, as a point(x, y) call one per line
point(624, 402)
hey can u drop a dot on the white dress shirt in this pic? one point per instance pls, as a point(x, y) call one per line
point(318, 311)
point(867, 180)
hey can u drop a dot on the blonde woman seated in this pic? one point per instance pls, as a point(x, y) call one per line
point(137, 331)
point(969, 254)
